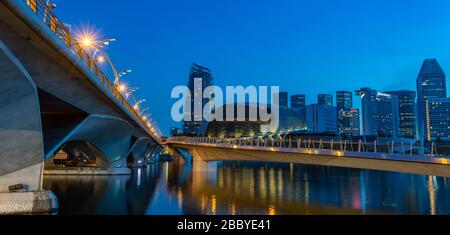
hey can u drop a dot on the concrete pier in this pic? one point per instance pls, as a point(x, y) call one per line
point(39, 202)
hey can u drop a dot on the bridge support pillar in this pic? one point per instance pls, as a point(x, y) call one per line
point(21, 142)
point(200, 173)
point(112, 138)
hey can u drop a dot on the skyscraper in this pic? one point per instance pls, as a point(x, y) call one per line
point(197, 125)
point(321, 118)
point(345, 114)
point(325, 99)
point(431, 83)
point(284, 99)
point(298, 105)
point(348, 122)
point(378, 113)
point(438, 119)
point(298, 102)
point(344, 100)
point(406, 109)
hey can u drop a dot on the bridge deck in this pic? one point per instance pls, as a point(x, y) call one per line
point(438, 166)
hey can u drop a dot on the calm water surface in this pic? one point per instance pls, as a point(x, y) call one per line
point(251, 188)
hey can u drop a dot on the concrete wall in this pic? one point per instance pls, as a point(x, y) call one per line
point(21, 142)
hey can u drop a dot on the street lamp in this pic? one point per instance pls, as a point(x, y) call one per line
point(130, 91)
point(136, 105)
point(89, 42)
point(122, 88)
point(125, 72)
point(143, 111)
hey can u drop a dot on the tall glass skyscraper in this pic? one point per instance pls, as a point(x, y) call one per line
point(298, 102)
point(346, 117)
point(344, 100)
point(438, 119)
point(321, 118)
point(298, 105)
point(406, 109)
point(197, 125)
point(378, 113)
point(284, 99)
point(325, 99)
point(431, 83)
point(348, 122)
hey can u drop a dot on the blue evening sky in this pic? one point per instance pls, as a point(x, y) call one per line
point(303, 46)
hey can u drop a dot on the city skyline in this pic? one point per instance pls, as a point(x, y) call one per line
point(352, 57)
point(267, 103)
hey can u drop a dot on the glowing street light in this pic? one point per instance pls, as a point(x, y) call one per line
point(87, 41)
point(122, 88)
point(100, 59)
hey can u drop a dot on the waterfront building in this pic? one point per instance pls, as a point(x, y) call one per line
point(431, 83)
point(197, 125)
point(288, 121)
point(378, 113)
point(284, 99)
point(438, 119)
point(348, 123)
point(321, 118)
point(325, 99)
point(298, 105)
point(406, 110)
point(344, 100)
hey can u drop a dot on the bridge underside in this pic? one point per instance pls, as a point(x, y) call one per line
point(209, 154)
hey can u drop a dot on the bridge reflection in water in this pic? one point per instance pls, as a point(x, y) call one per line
point(252, 188)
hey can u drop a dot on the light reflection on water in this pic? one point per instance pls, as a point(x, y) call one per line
point(251, 188)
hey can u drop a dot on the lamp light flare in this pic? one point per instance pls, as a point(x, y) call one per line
point(122, 87)
point(87, 41)
point(100, 59)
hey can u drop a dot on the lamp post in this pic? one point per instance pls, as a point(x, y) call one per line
point(98, 48)
point(130, 92)
point(122, 88)
point(125, 72)
point(143, 111)
point(137, 103)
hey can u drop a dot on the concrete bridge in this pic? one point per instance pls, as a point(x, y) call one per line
point(54, 98)
point(394, 157)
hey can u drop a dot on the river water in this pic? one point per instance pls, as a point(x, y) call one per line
point(244, 188)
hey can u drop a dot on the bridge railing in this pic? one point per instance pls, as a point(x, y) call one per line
point(411, 148)
point(46, 15)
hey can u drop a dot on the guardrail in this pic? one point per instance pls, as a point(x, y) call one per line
point(44, 13)
point(413, 148)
